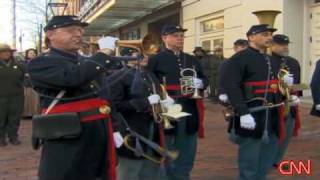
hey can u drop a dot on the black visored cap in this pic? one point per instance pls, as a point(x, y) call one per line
point(256, 29)
point(241, 42)
point(198, 48)
point(63, 21)
point(171, 28)
point(281, 39)
point(127, 51)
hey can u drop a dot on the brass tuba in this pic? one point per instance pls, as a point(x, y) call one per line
point(267, 17)
point(186, 83)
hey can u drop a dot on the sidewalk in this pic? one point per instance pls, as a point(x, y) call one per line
point(216, 158)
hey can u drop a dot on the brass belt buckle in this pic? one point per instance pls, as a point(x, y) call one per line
point(274, 87)
point(104, 109)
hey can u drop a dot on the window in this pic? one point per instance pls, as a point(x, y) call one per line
point(212, 24)
point(218, 43)
point(210, 44)
point(131, 35)
point(206, 45)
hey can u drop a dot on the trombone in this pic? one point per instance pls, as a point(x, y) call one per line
point(138, 150)
point(165, 154)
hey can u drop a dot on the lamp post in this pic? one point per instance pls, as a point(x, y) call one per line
point(57, 9)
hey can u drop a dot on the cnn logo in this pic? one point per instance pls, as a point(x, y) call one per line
point(289, 167)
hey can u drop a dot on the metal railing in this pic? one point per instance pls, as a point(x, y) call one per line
point(88, 6)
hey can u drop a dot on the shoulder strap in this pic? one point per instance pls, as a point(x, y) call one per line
point(55, 101)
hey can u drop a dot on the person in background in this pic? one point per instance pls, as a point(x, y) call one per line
point(85, 50)
point(126, 52)
point(11, 96)
point(199, 53)
point(31, 103)
point(240, 44)
point(280, 51)
point(94, 48)
point(214, 66)
point(205, 60)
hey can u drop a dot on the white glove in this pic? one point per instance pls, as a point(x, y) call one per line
point(288, 79)
point(166, 103)
point(154, 99)
point(247, 122)
point(107, 42)
point(224, 98)
point(197, 83)
point(318, 107)
point(295, 100)
point(118, 140)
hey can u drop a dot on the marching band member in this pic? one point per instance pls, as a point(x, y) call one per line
point(250, 82)
point(280, 52)
point(238, 45)
point(74, 129)
point(133, 97)
point(167, 65)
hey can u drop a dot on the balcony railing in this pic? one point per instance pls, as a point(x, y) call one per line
point(89, 6)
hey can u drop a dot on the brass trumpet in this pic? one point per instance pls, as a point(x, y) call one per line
point(165, 154)
point(147, 46)
point(186, 83)
point(283, 87)
point(158, 110)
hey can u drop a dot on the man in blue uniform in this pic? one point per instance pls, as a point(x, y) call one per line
point(315, 90)
point(251, 82)
point(133, 97)
point(71, 152)
point(167, 66)
point(280, 51)
point(238, 45)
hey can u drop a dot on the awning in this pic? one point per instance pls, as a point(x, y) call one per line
point(107, 15)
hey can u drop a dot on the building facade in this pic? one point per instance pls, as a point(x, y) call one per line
point(213, 23)
point(210, 23)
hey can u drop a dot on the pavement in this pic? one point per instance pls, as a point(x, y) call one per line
point(216, 157)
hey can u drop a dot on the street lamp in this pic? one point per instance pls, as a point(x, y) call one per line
point(58, 9)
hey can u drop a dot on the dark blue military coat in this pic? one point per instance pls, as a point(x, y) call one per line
point(84, 157)
point(315, 89)
point(168, 65)
point(246, 68)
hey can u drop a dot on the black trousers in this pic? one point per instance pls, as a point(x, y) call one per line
point(80, 158)
point(10, 115)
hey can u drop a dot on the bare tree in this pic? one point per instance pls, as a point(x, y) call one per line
point(32, 16)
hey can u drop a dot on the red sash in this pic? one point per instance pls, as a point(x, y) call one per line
point(273, 86)
point(87, 105)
